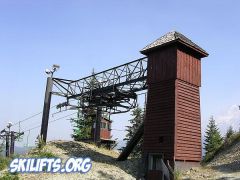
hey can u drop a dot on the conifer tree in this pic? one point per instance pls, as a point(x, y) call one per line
point(83, 124)
point(229, 133)
point(135, 123)
point(213, 139)
point(1, 147)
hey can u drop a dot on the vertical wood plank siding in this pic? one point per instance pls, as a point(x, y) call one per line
point(162, 65)
point(188, 68)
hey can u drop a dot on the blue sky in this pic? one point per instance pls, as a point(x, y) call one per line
point(82, 35)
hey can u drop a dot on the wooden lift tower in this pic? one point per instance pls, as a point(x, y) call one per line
point(171, 73)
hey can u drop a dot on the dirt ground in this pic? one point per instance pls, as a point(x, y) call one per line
point(104, 164)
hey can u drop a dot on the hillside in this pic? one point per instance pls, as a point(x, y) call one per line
point(104, 165)
point(225, 165)
point(228, 160)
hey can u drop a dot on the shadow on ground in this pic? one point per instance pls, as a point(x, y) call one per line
point(78, 150)
point(228, 168)
point(107, 176)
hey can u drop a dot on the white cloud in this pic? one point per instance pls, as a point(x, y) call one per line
point(230, 117)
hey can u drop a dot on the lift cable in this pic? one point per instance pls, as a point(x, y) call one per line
point(51, 121)
point(118, 130)
point(32, 116)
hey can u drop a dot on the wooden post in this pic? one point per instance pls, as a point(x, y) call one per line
point(46, 109)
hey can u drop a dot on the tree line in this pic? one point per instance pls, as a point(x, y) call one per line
point(213, 140)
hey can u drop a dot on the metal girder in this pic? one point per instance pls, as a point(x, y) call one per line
point(113, 89)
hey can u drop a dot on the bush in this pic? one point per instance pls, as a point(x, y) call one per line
point(40, 143)
point(40, 150)
point(230, 133)
point(46, 154)
point(208, 157)
point(233, 139)
point(4, 162)
point(43, 154)
point(177, 175)
point(9, 176)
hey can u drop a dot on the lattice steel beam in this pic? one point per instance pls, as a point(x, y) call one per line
point(114, 89)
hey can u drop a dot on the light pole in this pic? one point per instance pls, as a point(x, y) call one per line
point(9, 125)
point(47, 102)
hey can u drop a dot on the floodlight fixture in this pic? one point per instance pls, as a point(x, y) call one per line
point(9, 125)
point(55, 67)
point(48, 71)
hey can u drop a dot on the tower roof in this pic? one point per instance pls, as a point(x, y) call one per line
point(171, 37)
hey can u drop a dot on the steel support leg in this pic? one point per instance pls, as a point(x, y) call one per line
point(7, 144)
point(98, 126)
point(46, 109)
point(12, 143)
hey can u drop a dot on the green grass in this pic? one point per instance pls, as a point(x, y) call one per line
point(177, 175)
point(235, 138)
point(40, 151)
point(9, 176)
point(46, 154)
point(4, 162)
point(43, 154)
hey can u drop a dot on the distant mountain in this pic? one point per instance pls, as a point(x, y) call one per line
point(18, 150)
point(22, 150)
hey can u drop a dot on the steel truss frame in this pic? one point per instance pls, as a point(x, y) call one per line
point(114, 90)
